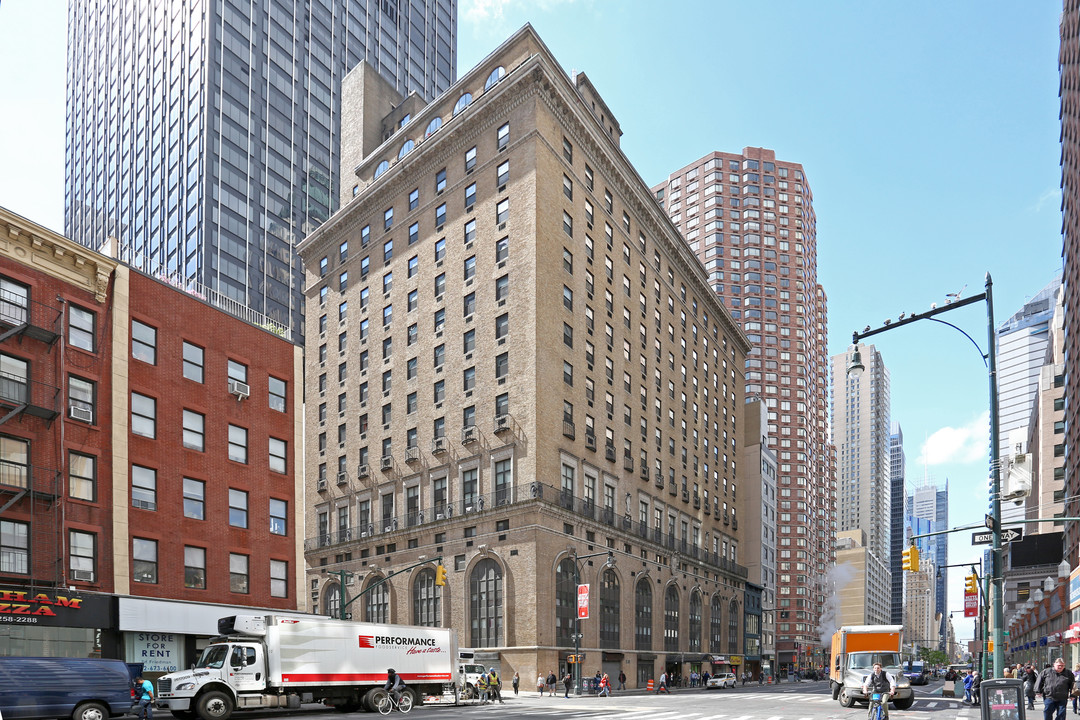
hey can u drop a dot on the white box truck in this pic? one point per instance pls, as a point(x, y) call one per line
point(277, 662)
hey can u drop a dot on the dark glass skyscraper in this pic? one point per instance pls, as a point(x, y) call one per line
point(897, 469)
point(204, 134)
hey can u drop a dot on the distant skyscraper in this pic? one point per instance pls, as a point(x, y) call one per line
point(204, 134)
point(860, 426)
point(1021, 352)
point(1069, 67)
point(931, 503)
point(897, 494)
point(750, 220)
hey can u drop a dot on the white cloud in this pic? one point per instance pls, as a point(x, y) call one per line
point(483, 11)
point(1050, 199)
point(967, 444)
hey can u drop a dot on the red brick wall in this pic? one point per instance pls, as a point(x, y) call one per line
point(179, 317)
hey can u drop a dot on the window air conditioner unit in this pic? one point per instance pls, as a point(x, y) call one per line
point(77, 412)
point(342, 478)
point(82, 575)
point(363, 470)
point(502, 423)
point(321, 485)
point(391, 527)
point(439, 445)
point(386, 462)
point(412, 454)
point(239, 389)
point(469, 434)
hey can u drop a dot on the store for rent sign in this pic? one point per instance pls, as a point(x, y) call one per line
point(158, 652)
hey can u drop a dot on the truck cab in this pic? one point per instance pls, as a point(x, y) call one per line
point(860, 664)
point(226, 667)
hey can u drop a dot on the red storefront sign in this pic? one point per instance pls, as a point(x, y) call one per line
point(971, 605)
point(582, 602)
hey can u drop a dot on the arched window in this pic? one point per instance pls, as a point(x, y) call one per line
point(435, 124)
point(406, 148)
point(694, 642)
point(609, 609)
point(382, 167)
point(486, 590)
point(733, 628)
point(426, 600)
point(495, 76)
point(716, 625)
point(332, 600)
point(565, 603)
point(462, 103)
point(671, 619)
point(377, 603)
point(643, 615)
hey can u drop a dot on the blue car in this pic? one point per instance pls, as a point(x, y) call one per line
point(76, 688)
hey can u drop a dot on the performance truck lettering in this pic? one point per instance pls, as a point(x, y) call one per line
point(376, 641)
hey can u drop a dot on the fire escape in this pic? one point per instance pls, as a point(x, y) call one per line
point(25, 488)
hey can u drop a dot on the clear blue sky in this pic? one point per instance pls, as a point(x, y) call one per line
point(928, 131)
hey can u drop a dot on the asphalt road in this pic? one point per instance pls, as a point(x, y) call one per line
point(788, 701)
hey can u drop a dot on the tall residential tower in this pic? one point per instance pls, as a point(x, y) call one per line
point(750, 220)
point(897, 470)
point(204, 134)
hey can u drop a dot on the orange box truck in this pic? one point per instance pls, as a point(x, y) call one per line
point(855, 649)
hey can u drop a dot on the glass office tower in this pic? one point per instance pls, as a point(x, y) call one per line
point(203, 135)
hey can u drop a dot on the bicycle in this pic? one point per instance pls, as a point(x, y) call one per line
point(386, 703)
point(877, 710)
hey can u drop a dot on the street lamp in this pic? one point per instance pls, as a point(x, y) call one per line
point(610, 563)
point(855, 366)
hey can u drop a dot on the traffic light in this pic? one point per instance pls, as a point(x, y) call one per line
point(911, 559)
point(971, 584)
point(440, 575)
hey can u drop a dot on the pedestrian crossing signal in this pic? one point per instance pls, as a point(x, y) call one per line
point(911, 559)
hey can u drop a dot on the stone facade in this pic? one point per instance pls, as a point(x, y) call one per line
point(521, 372)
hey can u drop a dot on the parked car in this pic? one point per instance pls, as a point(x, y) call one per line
point(76, 688)
point(721, 680)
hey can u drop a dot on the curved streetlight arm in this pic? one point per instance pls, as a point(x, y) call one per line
point(962, 332)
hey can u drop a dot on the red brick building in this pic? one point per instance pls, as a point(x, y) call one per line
point(148, 440)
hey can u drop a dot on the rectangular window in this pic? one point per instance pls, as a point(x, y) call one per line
point(278, 452)
point(237, 444)
point(194, 499)
point(504, 136)
point(502, 249)
point(388, 218)
point(414, 265)
point(143, 487)
point(414, 198)
point(238, 573)
point(238, 508)
point(470, 195)
point(470, 268)
point(470, 232)
point(568, 187)
point(14, 536)
point(194, 430)
point(237, 371)
point(469, 304)
point(277, 394)
point(414, 233)
point(82, 476)
point(279, 578)
point(468, 379)
point(470, 159)
point(82, 551)
point(440, 249)
point(502, 365)
point(468, 341)
point(144, 555)
point(502, 326)
point(80, 328)
point(143, 342)
point(440, 181)
point(502, 210)
point(502, 288)
point(279, 510)
point(143, 415)
point(343, 281)
point(388, 251)
point(193, 362)
point(194, 567)
point(81, 399)
point(440, 215)
point(567, 224)
point(502, 174)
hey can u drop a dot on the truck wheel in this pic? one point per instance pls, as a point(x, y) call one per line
point(835, 690)
point(91, 711)
point(846, 700)
point(904, 704)
point(469, 693)
point(371, 699)
point(215, 705)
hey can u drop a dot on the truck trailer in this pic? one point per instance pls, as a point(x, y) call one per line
point(279, 662)
point(855, 649)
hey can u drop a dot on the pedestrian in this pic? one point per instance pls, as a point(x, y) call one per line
point(969, 678)
point(1029, 685)
point(663, 686)
point(1076, 691)
point(567, 680)
point(517, 681)
point(605, 687)
point(744, 678)
point(760, 677)
point(705, 679)
point(622, 680)
point(541, 683)
point(495, 686)
point(551, 682)
point(482, 688)
point(976, 687)
point(1055, 684)
point(144, 691)
point(596, 681)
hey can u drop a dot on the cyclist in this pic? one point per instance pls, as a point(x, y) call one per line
point(881, 682)
point(394, 685)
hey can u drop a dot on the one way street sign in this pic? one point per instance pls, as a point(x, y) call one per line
point(1008, 535)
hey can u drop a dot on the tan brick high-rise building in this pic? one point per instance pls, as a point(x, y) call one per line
point(750, 220)
point(513, 360)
